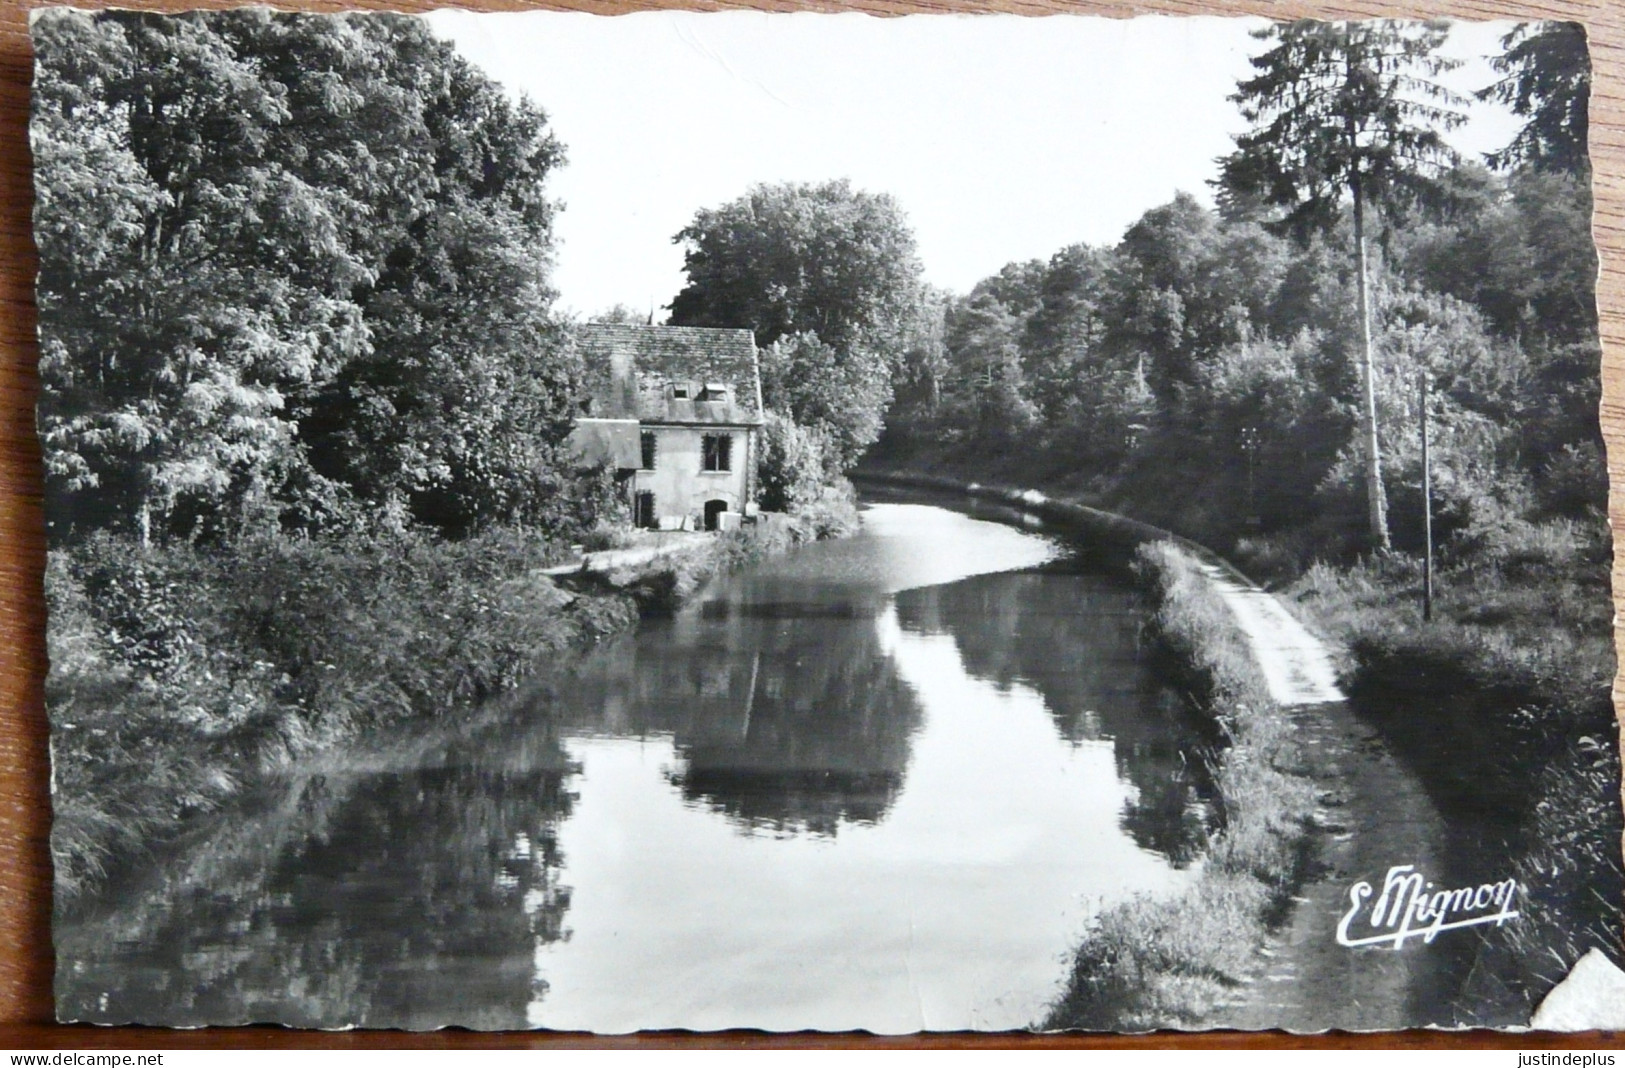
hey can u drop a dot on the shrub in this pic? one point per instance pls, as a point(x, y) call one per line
point(793, 464)
point(1575, 481)
point(179, 674)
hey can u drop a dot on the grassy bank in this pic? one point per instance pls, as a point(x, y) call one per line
point(182, 677)
point(1153, 963)
point(1501, 704)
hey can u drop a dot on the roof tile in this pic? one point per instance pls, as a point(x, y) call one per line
point(629, 368)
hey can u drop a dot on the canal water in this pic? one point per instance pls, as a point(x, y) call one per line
point(881, 783)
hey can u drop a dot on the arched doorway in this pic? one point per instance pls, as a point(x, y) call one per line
point(713, 514)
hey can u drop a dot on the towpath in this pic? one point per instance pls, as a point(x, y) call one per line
point(1372, 813)
point(634, 556)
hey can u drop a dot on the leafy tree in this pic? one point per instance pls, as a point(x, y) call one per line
point(620, 313)
point(1345, 109)
point(1546, 79)
point(168, 341)
point(828, 280)
point(1017, 286)
point(1519, 248)
point(983, 350)
point(288, 266)
point(843, 400)
point(459, 409)
point(799, 258)
point(791, 467)
point(1185, 284)
point(1064, 333)
point(917, 380)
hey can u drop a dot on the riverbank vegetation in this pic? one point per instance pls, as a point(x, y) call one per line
point(1519, 659)
point(181, 677)
point(305, 400)
point(1205, 374)
point(305, 406)
point(1161, 962)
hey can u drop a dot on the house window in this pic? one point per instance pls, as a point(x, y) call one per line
point(647, 440)
point(716, 451)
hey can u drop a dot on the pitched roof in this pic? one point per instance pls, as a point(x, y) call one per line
point(630, 370)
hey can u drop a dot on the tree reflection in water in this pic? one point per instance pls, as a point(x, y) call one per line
point(422, 889)
point(790, 716)
point(1075, 638)
point(402, 898)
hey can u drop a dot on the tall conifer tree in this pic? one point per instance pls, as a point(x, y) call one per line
point(1345, 113)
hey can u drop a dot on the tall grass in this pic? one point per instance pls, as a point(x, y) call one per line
point(1153, 962)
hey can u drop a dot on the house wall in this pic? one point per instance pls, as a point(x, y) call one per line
point(681, 488)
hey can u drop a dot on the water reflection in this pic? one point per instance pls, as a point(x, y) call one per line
point(401, 898)
point(1076, 639)
point(788, 720)
point(864, 786)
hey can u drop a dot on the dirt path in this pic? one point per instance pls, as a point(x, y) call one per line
point(1296, 666)
point(616, 559)
point(1373, 813)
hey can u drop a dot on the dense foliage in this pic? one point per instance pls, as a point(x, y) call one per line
point(304, 402)
point(828, 279)
point(288, 267)
point(1156, 374)
point(1344, 109)
point(1204, 373)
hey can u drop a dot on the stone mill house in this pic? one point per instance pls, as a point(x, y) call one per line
point(678, 411)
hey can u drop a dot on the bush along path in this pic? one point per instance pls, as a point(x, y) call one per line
point(1313, 801)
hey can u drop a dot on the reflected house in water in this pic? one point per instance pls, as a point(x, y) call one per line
point(677, 412)
point(789, 718)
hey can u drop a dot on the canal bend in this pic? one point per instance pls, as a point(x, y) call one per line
point(880, 783)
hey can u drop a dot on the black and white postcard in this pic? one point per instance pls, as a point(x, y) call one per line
point(822, 522)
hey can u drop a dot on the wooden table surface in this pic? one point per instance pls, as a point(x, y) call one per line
point(25, 874)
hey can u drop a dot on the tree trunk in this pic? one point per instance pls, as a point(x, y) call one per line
point(1376, 500)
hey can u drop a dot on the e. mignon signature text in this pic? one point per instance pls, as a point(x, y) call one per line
point(1409, 907)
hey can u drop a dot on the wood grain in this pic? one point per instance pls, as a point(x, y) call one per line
point(25, 873)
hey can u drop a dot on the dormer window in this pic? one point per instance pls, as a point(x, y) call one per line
point(679, 392)
point(713, 391)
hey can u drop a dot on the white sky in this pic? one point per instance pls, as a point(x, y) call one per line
point(1003, 138)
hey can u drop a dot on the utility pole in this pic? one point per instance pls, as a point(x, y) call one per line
point(1250, 442)
point(1427, 509)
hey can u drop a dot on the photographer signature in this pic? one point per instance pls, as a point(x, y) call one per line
point(1409, 907)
